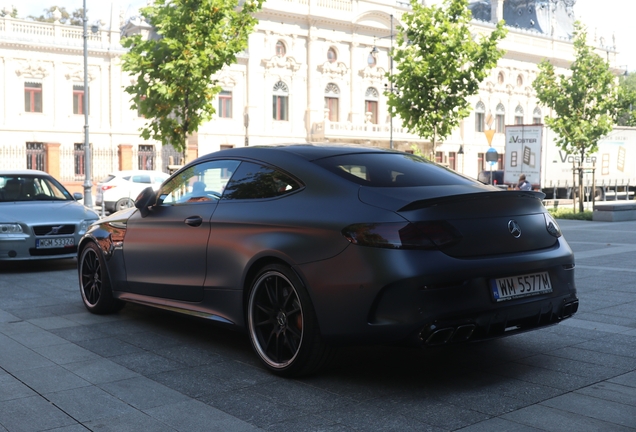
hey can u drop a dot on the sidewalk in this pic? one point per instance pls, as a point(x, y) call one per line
point(63, 369)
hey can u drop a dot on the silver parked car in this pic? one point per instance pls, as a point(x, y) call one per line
point(39, 218)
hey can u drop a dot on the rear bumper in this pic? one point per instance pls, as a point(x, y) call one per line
point(375, 295)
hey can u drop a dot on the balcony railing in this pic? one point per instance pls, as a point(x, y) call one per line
point(56, 34)
point(361, 131)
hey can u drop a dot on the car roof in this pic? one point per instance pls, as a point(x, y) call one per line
point(134, 172)
point(306, 151)
point(24, 172)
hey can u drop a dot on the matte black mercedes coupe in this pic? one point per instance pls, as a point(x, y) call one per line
point(308, 247)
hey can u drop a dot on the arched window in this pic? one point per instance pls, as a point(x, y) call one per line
point(501, 78)
point(371, 105)
point(332, 93)
point(332, 56)
point(480, 116)
point(280, 99)
point(519, 80)
point(280, 48)
point(536, 116)
point(519, 115)
point(500, 118)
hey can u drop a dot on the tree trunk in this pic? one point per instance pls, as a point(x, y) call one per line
point(581, 195)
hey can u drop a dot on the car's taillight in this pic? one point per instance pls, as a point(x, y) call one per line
point(403, 235)
point(551, 225)
point(106, 187)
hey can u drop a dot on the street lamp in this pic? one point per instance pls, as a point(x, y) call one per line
point(88, 185)
point(374, 53)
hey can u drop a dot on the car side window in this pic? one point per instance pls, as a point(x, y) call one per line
point(254, 181)
point(204, 182)
point(141, 179)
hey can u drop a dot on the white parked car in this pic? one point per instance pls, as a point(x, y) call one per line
point(119, 189)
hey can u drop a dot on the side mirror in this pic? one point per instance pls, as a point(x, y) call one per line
point(146, 198)
point(78, 196)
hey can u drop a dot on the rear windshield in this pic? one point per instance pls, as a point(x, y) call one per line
point(391, 170)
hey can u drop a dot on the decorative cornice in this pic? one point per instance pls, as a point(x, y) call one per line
point(282, 63)
point(77, 73)
point(334, 70)
point(32, 69)
point(374, 73)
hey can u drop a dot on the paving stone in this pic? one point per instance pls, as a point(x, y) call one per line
point(86, 404)
point(194, 416)
point(32, 414)
point(551, 419)
point(611, 412)
point(143, 393)
point(50, 379)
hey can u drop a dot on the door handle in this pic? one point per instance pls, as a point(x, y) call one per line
point(194, 221)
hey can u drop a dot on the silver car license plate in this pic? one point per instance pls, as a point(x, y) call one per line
point(520, 286)
point(54, 242)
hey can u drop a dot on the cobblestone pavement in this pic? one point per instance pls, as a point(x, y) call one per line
point(63, 369)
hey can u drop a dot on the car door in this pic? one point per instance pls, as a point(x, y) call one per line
point(165, 252)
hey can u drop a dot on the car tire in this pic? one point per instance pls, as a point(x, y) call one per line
point(282, 324)
point(95, 287)
point(124, 203)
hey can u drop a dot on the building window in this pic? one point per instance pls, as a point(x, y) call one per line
point(225, 104)
point(536, 116)
point(480, 116)
point(280, 49)
point(36, 155)
point(519, 115)
point(146, 157)
point(481, 162)
point(439, 157)
point(452, 160)
point(79, 159)
point(280, 102)
point(501, 78)
point(332, 93)
point(33, 97)
point(500, 118)
point(519, 80)
point(332, 56)
point(78, 99)
point(371, 105)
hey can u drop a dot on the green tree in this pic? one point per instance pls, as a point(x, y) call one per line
point(74, 18)
point(585, 101)
point(439, 66)
point(627, 100)
point(174, 89)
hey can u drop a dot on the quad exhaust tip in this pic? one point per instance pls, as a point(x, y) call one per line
point(447, 335)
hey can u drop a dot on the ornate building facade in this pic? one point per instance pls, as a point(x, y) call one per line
point(315, 71)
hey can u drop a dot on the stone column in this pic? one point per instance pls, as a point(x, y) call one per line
point(496, 10)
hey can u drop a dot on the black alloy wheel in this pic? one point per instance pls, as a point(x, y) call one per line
point(95, 287)
point(282, 324)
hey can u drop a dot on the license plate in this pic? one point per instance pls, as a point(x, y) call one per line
point(54, 243)
point(520, 286)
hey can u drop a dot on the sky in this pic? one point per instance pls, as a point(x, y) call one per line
point(97, 9)
point(605, 18)
point(608, 18)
